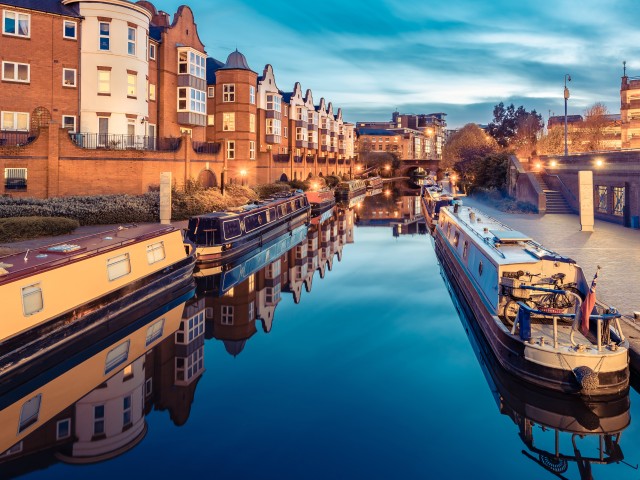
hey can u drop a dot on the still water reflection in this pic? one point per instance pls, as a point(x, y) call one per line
point(310, 358)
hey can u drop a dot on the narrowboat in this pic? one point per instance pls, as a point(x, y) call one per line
point(527, 302)
point(222, 236)
point(373, 183)
point(321, 201)
point(76, 285)
point(433, 198)
point(348, 190)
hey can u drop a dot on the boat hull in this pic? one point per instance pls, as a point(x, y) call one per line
point(515, 356)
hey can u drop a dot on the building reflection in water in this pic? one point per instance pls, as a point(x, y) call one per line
point(564, 435)
point(93, 407)
point(399, 209)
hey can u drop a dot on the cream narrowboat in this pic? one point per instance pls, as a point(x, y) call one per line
point(82, 283)
point(527, 300)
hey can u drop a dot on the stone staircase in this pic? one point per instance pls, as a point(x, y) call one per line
point(555, 200)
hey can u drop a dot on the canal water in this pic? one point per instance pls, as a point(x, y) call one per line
point(342, 358)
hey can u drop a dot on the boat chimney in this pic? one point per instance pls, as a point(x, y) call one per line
point(456, 207)
point(472, 217)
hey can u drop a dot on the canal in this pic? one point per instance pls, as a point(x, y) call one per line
point(342, 356)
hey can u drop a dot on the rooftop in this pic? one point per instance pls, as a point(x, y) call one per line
point(47, 6)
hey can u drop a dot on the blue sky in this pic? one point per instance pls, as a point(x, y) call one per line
point(460, 57)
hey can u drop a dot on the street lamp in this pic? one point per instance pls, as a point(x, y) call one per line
point(243, 174)
point(567, 77)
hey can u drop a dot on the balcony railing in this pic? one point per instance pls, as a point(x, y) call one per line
point(322, 159)
point(297, 159)
point(310, 158)
point(212, 148)
point(110, 141)
point(281, 157)
point(15, 139)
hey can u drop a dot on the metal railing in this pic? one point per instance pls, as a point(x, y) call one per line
point(110, 141)
point(211, 148)
point(281, 157)
point(16, 139)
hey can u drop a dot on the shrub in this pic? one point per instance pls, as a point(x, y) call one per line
point(332, 181)
point(268, 189)
point(298, 185)
point(24, 228)
point(197, 202)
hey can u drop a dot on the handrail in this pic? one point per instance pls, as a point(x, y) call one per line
point(564, 187)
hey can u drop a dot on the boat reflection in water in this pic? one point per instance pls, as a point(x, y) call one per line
point(249, 290)
point(88, 404)
point(563, 434)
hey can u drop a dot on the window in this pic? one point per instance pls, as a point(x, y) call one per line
point(226, 315)
point(15, 179)
point(618, 201)
point(252, 123)
point(252, 283)
point(69, 123)
point(132, 80)
point(211, 92)
point(103, 131)
point(63, 429)
point(274, 102)
point(148, 387)
point(32, 301)
point(602, 198)
point(456, 239)
point(192, 63)
point(103, 35)
point(119, 266)
point(313, 136)
point(273, 126)
point(155, 252)
point(16, 72)
point(104, 82)
point(229, 92)
point(189, 367)
point(152, 92)
point(228, 122)
point(69, 77)
point(286, 132)
point(252, 94)
point(98, 420)
point(191, 100)
point(152, 51)
point(154, 332)
point(252, 150)
point(117, 356)
point(131, 132)
point(252, 311)
point(231, 150)
point(301, 133)
point(195, 326)
point(272, 294)
point(15, 121)
point(16, 24)
point(126, 411)
point(29, 412)
point(465, 249)
point(131, 41)
point(69, 30)
point(211, 120)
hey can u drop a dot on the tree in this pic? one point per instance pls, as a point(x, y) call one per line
point(515, 129)
point(466, 144)
point(596, 120)
point(489, 172)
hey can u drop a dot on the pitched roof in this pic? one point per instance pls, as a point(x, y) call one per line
point(155, 32)
point(374, 131)
point(47, 6)
point(213, 66)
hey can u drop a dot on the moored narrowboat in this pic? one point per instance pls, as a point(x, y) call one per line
point(527, 301)
point(73, 285)
point(373, 183)
point(223, 236)
point(348, 190)
point(321, 201)
point(433, 199)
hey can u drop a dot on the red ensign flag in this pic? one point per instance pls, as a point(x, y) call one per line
point(588, 304)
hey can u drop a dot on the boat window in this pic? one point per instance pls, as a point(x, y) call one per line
point(155, 252)
point(118, 266)
point(117, 356)
point(154, 332)
point(465, 249)
point(448, 230)
point(29, 413)
point(480, 268)
point(32, 301)
point(456, 239)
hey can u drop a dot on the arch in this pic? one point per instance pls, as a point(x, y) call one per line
point(207, 179)
point(320, 174)
point(284, 178)
point(310, 175)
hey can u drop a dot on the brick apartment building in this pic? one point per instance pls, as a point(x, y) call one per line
point(100, 97)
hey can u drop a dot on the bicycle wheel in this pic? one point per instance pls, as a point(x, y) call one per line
point(510, 312)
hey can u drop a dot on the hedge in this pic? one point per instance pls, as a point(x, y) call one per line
point(24, 228)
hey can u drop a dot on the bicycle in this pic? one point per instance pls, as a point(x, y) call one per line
point(556, 301)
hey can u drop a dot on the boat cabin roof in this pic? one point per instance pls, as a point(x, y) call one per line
point(500, 242)
point(32, 261)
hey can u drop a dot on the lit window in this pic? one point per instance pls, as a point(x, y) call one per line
point(618, 201)
point(69, 77)
point(152, 51)
point(16, 72)
point(103, 36)
point(301, 133)
point(273, 126)
point(104, 81)
point(228, 122)
point(252, 283)
point(29, 412)
point(603, 197)
point(226, 315)
point(191, 62)
point(155, 252)
point(131, 41)
point(252, 150)
point(152, 92)
point(16, 24)
point(252, 94)
point(32, 301)
point(69, 123)
point(132, 80)
point(16, 121)
point(211, 120)
point(154, 332)
point(229, 92)
point(119, 266)
point(117, 356)
point(231, 150)
point(69, 30)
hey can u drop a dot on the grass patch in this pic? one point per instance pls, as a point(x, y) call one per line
point(25, 228)
point(503, 202)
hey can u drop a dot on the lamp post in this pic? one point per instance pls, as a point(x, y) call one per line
point(243, 174)
point(224, 165)
point(567, 77)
